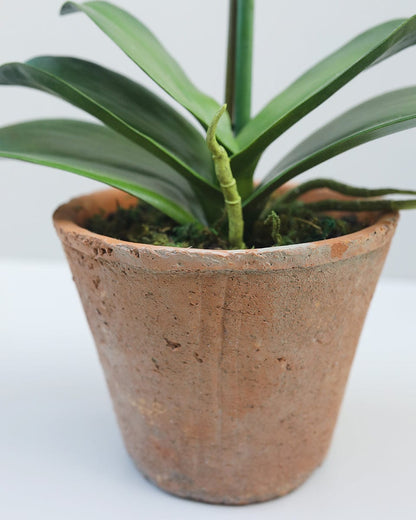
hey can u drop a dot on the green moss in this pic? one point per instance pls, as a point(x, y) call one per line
point(299, 225)
point(146, 225)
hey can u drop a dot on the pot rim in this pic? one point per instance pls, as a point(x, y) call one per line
point(68, 220)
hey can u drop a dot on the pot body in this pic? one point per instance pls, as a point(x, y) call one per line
point(226, 368)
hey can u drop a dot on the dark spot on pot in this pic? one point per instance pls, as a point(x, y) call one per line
point(106, 323)
point(101, 251)
point(98, 312)
point(96, 282)
point(155, 363)
point(135, 253)
point(172, 345)
point(196, 355)
point(284, 361)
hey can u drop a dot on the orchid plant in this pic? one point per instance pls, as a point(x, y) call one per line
point(143, 146)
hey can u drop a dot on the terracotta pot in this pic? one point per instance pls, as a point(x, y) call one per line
point(226, 368)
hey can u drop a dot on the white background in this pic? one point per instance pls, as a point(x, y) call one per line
point(290, 36)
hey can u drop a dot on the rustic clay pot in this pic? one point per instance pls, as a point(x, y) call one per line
point(226, 368)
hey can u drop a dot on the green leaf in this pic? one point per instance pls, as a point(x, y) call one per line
point(378, 117)
point(99, 153)
point(148, 53)
point(122, 104)
point(318, 84)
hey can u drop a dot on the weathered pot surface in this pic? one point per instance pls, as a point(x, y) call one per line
point(226, 368)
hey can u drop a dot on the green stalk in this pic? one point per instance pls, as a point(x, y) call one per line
point(358, 205)
point(227, 184)
point(230, 72)
point(239, 63)
point(339, 187)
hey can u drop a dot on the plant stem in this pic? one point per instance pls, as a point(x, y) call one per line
point(228, 185)
point(338, 187)
point(358, 205)
point(239, 62)
point(230, 72)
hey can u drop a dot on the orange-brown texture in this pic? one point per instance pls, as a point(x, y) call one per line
point(226, 368)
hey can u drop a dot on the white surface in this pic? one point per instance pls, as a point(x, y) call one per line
point(61, 456)
point(290, 37)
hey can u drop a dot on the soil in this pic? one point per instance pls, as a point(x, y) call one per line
point(146, 225)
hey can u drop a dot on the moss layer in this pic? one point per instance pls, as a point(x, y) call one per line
point(144, 224)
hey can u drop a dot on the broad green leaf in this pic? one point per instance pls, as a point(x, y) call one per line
point(122, 104)
point(378, 117)
point(99, 153)
point(318, 84)
point(136, 40)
